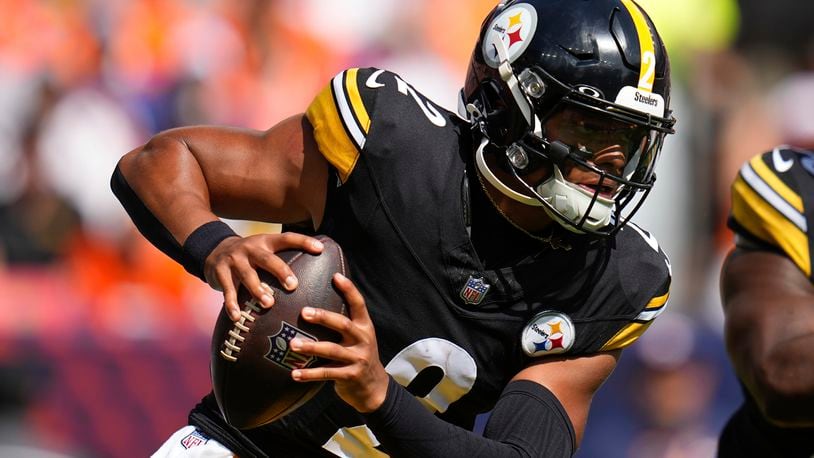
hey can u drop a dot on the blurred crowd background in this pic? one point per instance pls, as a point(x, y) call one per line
point(104, 342)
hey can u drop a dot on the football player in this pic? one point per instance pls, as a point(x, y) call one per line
point(768, 300)
point(495, 265)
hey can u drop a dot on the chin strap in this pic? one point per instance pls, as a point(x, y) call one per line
point(484, 169)
point(564, 202)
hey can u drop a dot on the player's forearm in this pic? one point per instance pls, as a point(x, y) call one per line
point(171, 202)
point(783, 384)
point(524, 423)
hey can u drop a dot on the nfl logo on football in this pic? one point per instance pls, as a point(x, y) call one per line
point(281, 354)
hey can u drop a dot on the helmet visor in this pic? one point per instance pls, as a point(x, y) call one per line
point(622, 152)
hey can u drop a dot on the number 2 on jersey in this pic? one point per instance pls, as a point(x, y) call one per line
point(459, 374)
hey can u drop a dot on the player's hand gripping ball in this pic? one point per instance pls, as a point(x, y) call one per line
point(251, 359)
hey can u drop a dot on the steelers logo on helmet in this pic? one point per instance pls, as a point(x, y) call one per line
point(513, 29)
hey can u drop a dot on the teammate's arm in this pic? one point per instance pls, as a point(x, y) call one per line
point(769, 308)
point(184, 178)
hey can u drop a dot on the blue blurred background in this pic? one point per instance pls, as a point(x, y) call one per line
point(104, 341)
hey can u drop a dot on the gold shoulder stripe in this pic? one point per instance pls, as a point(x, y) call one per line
point(355, 98)
point(657, 302)
point(776, 183)
point(745, 206)
point(764, 221)
point(345, 104)
point(626, 336)
point(646, 47)
point(630, 333)
point(767, 193)
point(334, 141)
point(653, 308)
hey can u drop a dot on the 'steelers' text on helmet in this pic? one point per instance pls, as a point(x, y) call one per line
point(537, 59)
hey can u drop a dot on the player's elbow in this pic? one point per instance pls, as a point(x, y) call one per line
point(161, 151)
point(133, 160)
point(784, 394)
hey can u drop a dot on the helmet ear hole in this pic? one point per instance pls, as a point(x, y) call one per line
point(494, 109)
point(504, 125)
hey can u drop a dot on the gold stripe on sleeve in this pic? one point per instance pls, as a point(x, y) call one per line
point(657, 302)
point(633, 331)
point(762, 220)
point(352, 87)
point(776, 183)
point(626, 336)
point(331, 137)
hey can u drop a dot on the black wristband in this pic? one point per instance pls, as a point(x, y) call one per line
point(200, 244)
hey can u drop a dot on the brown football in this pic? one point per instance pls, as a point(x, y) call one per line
point(251, 361)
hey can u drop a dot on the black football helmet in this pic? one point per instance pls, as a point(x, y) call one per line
point(598, 64)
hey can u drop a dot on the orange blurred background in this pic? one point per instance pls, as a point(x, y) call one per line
point(104, 342)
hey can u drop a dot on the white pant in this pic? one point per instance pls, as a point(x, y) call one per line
point(188, 442)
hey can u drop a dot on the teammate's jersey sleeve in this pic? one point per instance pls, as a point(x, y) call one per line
point(341, 116)
point(771, 203)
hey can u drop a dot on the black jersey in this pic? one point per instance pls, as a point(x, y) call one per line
point(449, 328)
point(772, 209)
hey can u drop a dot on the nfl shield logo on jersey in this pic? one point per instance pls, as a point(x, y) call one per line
point(549, 333)
point(280, 353)
point(474, 290)
point(194, 439)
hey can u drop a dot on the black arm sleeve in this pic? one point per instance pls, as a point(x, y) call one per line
point(149, 226)
point(528, 421)
point(207, 418)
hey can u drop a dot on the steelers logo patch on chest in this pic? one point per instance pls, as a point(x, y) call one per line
point(548, 333)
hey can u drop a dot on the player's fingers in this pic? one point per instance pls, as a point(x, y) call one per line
point(227, 283)
point(332, 320)
point(249, 278)
point(318, 374)
point(295, 241)
point(354, 299)
point(273, 264)
point(251, 281)
point(323, 349)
